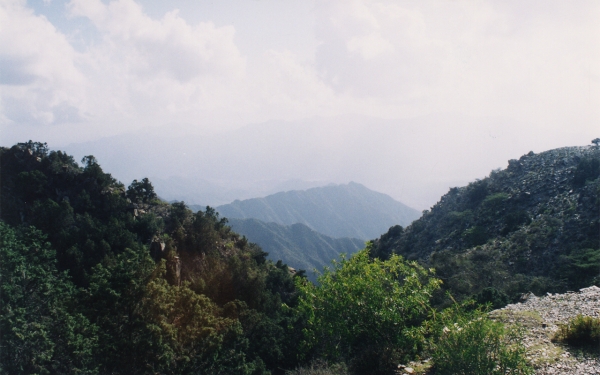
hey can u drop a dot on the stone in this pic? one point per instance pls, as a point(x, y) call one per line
point(555, 310)
point(157, 248)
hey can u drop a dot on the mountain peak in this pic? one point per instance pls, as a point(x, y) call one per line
point(349, 210)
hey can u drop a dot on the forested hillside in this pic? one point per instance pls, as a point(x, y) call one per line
point(100, 278)
point(532, 227)
point(337, 211)
point(297, 245)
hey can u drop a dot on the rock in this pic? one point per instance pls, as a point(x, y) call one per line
point(157, 249)
point(409, 370)
point(174, 271)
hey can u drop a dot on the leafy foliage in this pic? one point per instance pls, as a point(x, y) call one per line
point(368, 312)
point(467, 342)
point(81, 293)
point(141, 192)
point(495, 298)
point(580, 331)
point(93, 297)
point(40, 332)
point(320, 367)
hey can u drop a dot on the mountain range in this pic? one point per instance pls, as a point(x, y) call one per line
point(86, 259)
point(350, 210)
point(296, 245)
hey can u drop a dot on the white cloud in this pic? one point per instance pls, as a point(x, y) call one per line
point(534, 62)
point(168, 46)
point(369, 46)
point(39, 79)
point(537, 63)
point(155, 71)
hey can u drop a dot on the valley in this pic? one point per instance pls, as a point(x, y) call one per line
point(204, 289)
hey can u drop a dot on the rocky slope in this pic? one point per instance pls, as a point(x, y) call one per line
point(539, 319)
point(541, 316)
point(337, 211)
point(533, 226)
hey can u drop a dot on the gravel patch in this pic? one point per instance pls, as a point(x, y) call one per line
point(540, 318)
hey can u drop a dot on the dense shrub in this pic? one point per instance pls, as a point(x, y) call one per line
point(368, 312)
point(580, 331)
point(40, 333)
point(469, 343)
point(587, 169)
point(581, 267)
point(496, 298)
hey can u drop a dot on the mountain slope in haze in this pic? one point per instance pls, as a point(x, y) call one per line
point(533, 226)
point(296, 245)
point(338, 211)
point(414, 160)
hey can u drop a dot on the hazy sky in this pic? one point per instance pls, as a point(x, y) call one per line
point(74, 71)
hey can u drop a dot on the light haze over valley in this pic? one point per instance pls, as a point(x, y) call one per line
point(240, 99)
point(309, 187)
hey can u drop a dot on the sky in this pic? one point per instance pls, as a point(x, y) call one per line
point(79, 71)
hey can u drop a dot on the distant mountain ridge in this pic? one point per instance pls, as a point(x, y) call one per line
point(296, 245)
point(350, 210)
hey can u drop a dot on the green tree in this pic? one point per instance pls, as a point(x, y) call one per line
point(112, 302)
point(368, 312)
point(190, 333)
point(141, 192)
point(40, 333)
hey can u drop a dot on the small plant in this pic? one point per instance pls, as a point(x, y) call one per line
point(320, 367)
point(469, 343)
point(580, 331)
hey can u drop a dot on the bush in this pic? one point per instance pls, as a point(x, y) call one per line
point(475, 236)
point(469, 343)
point(368, 312)
point(496, 298)
point(581, 266)
point(580, 331)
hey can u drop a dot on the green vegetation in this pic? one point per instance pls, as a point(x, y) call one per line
point(82, 294)
point(320, 367)
point(41, 331)
point(532, 227)
point(368, 312)
point(100, 278)
point(582, 331)
point(467, 342)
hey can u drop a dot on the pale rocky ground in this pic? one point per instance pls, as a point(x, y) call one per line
point(541, 316)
